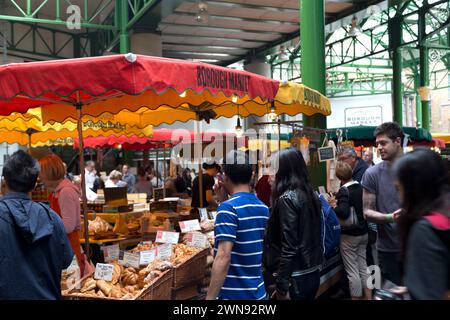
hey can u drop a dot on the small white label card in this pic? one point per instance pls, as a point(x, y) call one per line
point(147, 257)
point(111, 253)
point(164, 251)
point(198, 240)
point(203, 214)
point(103, 271)
point(189, 225)
point(167, 237)
point(214, 215)
point(131, 259)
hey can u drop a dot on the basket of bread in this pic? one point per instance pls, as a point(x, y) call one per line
point(153, 282)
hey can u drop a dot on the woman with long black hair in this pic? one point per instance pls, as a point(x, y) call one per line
point(423, 181)
point(293, 251)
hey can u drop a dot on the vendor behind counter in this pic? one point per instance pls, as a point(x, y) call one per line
point(210, 171)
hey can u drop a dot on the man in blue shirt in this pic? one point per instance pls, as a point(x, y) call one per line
point(239, 233)
point(34, 248)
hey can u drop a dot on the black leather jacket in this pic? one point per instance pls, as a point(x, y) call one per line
point(292, 240)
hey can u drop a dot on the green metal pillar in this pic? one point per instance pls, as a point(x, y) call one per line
point(418, 102)
point(76, 46)
point(122, 19)
point(395, 42)
point(425, 82)
point(312, 37)
point(397, 86)
point(424, 66)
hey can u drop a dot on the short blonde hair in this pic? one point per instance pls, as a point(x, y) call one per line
point(115, 175)
point(52, 168)
point(343, 171)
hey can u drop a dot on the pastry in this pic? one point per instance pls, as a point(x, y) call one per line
point(129, 277)
point(115, 293)
point(105, 287)
point(117, 273)
point(89, 284)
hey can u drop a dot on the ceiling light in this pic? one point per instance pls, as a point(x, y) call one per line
point(202, 14)
point(234, 98)
point(238, 128)
point(183, 94)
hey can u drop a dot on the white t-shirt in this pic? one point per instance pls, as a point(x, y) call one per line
point(89, 178)
point(110, 184)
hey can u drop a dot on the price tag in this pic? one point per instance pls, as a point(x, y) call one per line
point(167, 237)
point(164, 251)
point(203, 214)
point(147, 257)
point(189, 225)
point(103, 271)
point(131, 259)
point(214, 215)
point(111, 253)
point(198, 240)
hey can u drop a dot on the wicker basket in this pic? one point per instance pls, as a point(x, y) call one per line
point(186, 293)
point(191, 270)
point(159, 289)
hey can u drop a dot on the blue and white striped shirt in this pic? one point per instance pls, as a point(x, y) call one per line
point(242, 220)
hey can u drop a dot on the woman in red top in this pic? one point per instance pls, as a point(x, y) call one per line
point(64, 200)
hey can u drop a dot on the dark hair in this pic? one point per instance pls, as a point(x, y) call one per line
point(425, 190)
point(21, 172)
point(292, 174)
point(141, 172)
point(390, 129)
point(237, 167)
point(213, 165)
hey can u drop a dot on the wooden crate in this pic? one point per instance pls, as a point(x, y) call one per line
point(159, 289)
point(191, 270)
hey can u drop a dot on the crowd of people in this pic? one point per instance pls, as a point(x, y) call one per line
point(268, 231)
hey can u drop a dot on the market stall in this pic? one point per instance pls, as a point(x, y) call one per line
point(142, 91)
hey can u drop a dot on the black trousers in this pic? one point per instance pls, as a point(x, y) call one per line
point(391, 266)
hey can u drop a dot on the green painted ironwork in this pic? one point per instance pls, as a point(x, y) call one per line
point(312, 18)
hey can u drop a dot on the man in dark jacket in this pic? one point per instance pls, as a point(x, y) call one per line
point(34, 248)
point(359, 166)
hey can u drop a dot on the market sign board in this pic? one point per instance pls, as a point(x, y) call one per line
point(326, 153)
point(363, 116)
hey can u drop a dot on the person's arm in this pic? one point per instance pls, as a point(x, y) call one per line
point(209, 192)
point(370, 212)
point(290, 242)
point(219, 269)
point(69, 203)
point(342, 208)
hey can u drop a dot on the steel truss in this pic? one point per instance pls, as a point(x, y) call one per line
point(101, 28)
point(375, 44)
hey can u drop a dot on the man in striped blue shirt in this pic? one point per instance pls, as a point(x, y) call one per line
point(239, 233)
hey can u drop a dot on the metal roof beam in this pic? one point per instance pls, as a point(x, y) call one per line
point(233, 18)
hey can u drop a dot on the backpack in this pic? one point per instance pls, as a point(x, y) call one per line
point(331, 229)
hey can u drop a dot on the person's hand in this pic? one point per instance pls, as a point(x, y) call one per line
point(278, 296)
point(397, 214)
